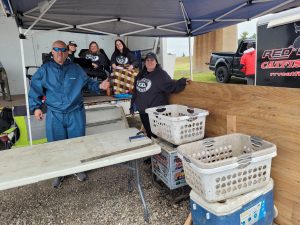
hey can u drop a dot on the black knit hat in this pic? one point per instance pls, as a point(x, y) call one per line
point(151, 55)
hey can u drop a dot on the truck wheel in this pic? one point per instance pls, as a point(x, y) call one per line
point(222, 75)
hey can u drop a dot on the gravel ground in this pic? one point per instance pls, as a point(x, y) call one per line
point(103, 200)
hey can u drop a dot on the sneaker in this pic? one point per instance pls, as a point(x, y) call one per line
point(57, 182)
point(81, 176)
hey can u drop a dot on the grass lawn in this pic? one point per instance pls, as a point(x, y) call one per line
point(182, 69)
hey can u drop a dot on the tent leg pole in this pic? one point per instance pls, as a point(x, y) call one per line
point(191, 61)
point(25, 87)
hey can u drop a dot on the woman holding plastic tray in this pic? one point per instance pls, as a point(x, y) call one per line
point(151, 89)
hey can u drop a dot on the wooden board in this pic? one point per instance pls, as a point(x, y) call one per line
point(40, 162)
point(189, 220)
point(268, 112)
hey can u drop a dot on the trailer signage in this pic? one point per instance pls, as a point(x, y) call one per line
point(278, 56)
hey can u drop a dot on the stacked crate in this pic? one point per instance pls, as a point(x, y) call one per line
point(230, 179)
point(174, 125)
point(167, 166)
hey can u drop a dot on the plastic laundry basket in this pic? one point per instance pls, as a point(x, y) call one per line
point(177, 124)
point(227, 166)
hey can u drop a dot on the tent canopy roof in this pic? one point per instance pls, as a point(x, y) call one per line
point(169, 18)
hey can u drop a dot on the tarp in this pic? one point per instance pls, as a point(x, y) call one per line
point(163, 18)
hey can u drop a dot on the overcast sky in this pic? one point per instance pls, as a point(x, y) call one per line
point(180, 46)
point(249, 27)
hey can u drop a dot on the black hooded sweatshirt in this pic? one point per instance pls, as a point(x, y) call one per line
point(153, 89)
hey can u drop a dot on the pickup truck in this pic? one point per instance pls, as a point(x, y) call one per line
point(227, 64)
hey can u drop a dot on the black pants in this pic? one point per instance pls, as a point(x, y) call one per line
point(145, 121)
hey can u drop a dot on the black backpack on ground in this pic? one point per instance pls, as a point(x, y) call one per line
point(6, 121)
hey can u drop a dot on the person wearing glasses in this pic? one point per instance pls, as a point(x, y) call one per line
point(61, 81)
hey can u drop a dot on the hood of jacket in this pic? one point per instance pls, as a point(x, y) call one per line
point(249, 51)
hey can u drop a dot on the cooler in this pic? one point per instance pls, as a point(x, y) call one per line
point(253, 208)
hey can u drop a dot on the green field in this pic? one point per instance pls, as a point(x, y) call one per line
point(182, 69)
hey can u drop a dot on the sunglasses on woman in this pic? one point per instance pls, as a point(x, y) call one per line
point(57, 49)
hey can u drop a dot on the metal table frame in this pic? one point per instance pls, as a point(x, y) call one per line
point(134, 172)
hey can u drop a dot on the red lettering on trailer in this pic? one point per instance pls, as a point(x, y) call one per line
point(282, 53)
point(282, 64)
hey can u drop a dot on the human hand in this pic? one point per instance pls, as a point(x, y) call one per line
point(38, 114)
point(130, 67)
point(105, 85)
point(114, 66)
point(95, 65)
point(188, 81)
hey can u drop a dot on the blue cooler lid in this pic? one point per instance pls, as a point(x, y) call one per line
point(231, 205)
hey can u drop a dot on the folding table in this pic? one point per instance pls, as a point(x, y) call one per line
point(35, 163)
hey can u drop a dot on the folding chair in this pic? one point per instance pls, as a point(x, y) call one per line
point(38, 128)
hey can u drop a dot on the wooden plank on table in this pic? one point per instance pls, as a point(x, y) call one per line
point(114, 153)
point(40, 162)
point(271, 113)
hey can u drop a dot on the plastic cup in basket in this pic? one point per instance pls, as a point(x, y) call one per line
point(227, 166)
point(177, 124)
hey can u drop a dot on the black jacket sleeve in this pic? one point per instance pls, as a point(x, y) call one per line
point(107, 65)
point(102, 61)
point(132, 108)
point(169, 85)
point(113, 59)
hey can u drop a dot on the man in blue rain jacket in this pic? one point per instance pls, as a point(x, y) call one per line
point(61, 82)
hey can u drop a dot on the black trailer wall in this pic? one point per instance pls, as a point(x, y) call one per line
point(278, 56)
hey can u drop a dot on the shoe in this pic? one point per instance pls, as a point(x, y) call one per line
point(81, 176)
point(57, 182)
point(147, 161)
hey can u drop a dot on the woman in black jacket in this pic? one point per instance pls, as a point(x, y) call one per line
point(152, 87)
point(99, 61)
point(123, 57)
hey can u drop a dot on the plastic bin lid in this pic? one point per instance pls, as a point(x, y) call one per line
point(231, 205)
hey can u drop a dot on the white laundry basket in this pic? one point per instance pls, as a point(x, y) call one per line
point(226, 166)
point(177, 124)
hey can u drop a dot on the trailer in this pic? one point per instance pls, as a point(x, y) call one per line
point(278, 50)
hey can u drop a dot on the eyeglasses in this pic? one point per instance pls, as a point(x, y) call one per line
point(57, 49)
